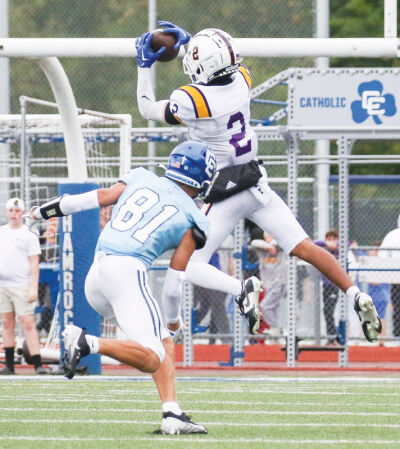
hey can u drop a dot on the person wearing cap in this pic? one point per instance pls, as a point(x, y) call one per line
point(19, 278)
point(390, 247)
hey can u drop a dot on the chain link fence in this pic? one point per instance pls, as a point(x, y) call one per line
point(317, 307)
point(108, 84)
point(373, 212)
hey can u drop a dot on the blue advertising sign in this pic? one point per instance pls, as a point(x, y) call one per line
point(78, 238)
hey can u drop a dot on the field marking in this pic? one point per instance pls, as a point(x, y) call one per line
point(214, 412)
point(213, 391)
point(200, 401)
point(212, 424)
point(222, 379)
point(201, 439)
point(77, 387)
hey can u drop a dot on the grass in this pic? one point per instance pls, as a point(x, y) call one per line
point(244, 413)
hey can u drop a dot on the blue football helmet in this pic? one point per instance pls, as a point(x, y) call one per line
point(191, 163)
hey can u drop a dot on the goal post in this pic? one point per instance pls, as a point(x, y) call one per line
point(35, 167)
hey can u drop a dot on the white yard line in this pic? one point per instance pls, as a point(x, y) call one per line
point(212, 423)
point(212, 402)
point(215, 391)
point(203, 439)
point(198, 411)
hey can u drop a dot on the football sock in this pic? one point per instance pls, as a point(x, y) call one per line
point(171, 407)
point(9, 352)
point(36, 360)
point(351, 292)
point(207, 276)
point(93, 343)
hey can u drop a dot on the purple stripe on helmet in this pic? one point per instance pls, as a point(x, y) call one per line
point(228, 44)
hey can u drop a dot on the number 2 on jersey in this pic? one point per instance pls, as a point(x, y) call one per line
point(132, 211)
point(236, 138)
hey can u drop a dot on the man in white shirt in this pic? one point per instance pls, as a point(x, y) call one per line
point(19, 278)
point(392, 241)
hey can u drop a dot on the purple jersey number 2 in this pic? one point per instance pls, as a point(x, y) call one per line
point(236, 138)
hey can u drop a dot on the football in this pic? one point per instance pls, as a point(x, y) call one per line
point(167, 40)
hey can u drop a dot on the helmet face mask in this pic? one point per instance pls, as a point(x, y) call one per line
point(211, 53)
point(191, 163)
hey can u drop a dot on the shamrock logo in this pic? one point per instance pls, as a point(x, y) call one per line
point(372, 103)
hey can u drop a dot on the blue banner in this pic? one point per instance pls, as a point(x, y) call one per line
point(78, 238)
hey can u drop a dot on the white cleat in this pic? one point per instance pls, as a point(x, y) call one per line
point(370, 321)
point(248, 302)
point(75, 346)
point(179, 424)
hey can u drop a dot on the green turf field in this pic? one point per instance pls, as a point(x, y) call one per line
point(90, 413)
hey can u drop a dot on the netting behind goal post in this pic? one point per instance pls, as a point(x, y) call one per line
point(38, 171)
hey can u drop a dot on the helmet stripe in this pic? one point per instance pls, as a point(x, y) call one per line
point(228, 44)
point(199, 101)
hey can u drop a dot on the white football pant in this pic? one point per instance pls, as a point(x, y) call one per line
point(262, 206)
point(117, 286)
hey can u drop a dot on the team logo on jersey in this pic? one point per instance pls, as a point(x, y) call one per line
point(373, 103)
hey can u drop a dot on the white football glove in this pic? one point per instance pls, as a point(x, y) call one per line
point(32, 222)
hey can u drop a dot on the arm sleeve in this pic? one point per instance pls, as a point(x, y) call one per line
point(172, 295)
point(70, 204)
point(149, 108)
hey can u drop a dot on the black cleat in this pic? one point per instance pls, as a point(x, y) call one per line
point(41, 370)
point(7, 372)
point(248, 302)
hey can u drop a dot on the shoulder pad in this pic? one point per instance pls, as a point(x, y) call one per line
point(199, 236)
point(195, 100)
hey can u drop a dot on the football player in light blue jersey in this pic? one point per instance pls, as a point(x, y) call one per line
point(152, 214)
point(147, 221)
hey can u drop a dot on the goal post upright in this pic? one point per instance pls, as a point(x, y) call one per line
point(74, 144)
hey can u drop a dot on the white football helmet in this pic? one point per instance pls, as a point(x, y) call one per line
point(211, 53)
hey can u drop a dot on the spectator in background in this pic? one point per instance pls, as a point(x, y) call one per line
point(392, 242)
point(273, 273)
point(51, 232)
point(380, 293)
point(19, 277)
point(330, 292)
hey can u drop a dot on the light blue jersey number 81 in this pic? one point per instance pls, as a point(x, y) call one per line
point(132, 211)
